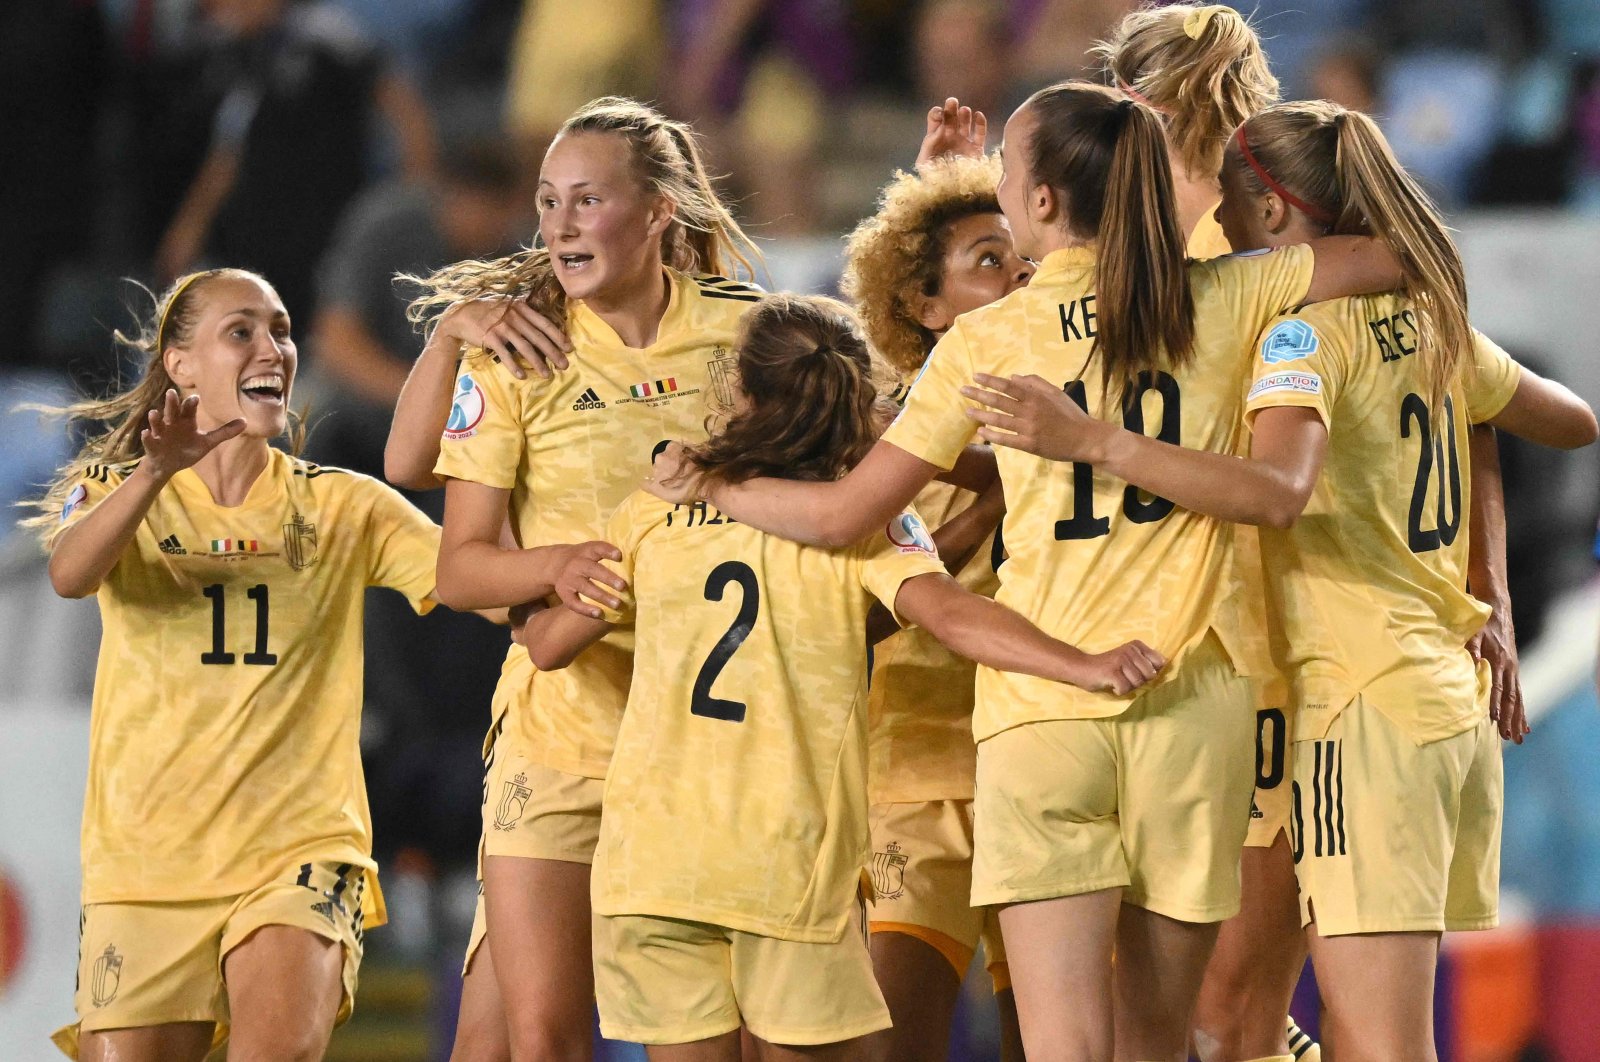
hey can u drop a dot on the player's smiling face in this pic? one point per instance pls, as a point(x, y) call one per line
point(239, 359)
point(603, 226)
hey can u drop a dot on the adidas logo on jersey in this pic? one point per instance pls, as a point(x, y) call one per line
point(588, 400)
point(171, 546)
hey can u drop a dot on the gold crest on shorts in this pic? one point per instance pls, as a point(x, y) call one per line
point(889, 871)
point(300, 543)
point(512, 803)
point(106, 977)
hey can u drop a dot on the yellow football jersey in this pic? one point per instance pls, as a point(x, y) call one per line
point(738, 791)
point(224, 740)
point(920, 702)
point(570, 449)
point(1371, 580)
point(1242, 617)
point(1092, 560)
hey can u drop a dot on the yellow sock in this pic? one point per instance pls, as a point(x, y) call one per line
point(1302, 1047)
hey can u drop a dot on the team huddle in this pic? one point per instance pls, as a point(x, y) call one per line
point(1098, 583)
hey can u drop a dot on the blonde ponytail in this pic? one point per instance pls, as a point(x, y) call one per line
point(1337, 163)
point(1202, 66)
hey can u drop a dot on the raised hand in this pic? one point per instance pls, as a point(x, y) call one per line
point(953, 130)
point(173, 441)
point(1029, 413)
point(1121, 670)
point(521, 337)
point(674, 477)
point(584, 575)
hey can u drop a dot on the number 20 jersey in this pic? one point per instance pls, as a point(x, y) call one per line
point(224, 740)
point(1371, 581)
point(737, 792)
point(1093, 561)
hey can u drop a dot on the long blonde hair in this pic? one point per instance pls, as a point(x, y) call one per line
point(1106, 156)
point(703, 237)
point(170, 322)
point(1337, 163)
point(1201, 65)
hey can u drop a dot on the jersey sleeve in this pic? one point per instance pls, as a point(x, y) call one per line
point(933, 424)
point(1257, 286)
point(626, 530)
point(902, 550)
point(403, 545)
point(1492, 380)
point(1296, 364)
point(483, 439)
point(89, 490)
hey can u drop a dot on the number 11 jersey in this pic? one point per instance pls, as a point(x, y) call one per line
point(224, 740)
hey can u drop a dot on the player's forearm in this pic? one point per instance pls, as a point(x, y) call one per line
point(86, 552)
point(482, 575)
point(557, 636)
point(959, 538)
point(816, 514)
point(975, 470)
point(1486, 523)
point(1239, 490)
point(420, 415)
point(995, 636)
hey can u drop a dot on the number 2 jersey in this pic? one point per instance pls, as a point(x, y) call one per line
point(1371, 581)
point(1093, 561)
point(570, 449)
point(224, 740)
point(737, 792)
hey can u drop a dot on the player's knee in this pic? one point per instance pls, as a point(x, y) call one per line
point(292, 1042)
point(552, 1042)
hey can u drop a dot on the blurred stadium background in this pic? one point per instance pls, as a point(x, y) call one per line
point(332, 144)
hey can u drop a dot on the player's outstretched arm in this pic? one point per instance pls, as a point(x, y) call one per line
point(993, 635)
point(1548, 413)
point(556, 636)
point(1270, 487)
point(1351, 265)
point(84, 554)
point(831, 514)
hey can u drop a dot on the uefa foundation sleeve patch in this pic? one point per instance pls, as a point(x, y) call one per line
point(1297, 383)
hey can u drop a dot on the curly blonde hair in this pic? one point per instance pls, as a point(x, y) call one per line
point(895, 257)
point(1201, 65)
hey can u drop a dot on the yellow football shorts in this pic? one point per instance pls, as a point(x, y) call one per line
point(922, 875)
point(1273, 801)
point(1392, 837)
point(669, 981)
point(1155, 800)
point(142, 964)
point(534, 811)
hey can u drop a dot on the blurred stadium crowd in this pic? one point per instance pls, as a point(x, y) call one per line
point(332, 144)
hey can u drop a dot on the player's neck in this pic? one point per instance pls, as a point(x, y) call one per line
point(232, 469)
point(634, 306)
point(1197, 196)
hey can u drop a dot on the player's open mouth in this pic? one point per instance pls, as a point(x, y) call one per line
point(574, 262)
point(266, 388)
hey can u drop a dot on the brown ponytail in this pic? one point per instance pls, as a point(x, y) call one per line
point(704, 236)
point(1202, 66)
point(808, 382)
point(1106, 156)
point(1337, 163)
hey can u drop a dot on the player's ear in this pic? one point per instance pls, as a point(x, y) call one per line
point(663, 209)
point(1044, 204)
point(179, 366)
point(1273, 212)
point(933, 313)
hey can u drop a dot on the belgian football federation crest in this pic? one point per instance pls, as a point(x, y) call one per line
point(300, 543)
point(513, 802)
point(106, 977)
point(724, 371)
point(889, 872)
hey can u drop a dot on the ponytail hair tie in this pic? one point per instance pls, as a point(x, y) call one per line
point(1315, 213)
point(1136, 96)
point(1196, 21)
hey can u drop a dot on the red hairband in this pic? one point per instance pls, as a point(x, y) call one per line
point(1315, 213)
